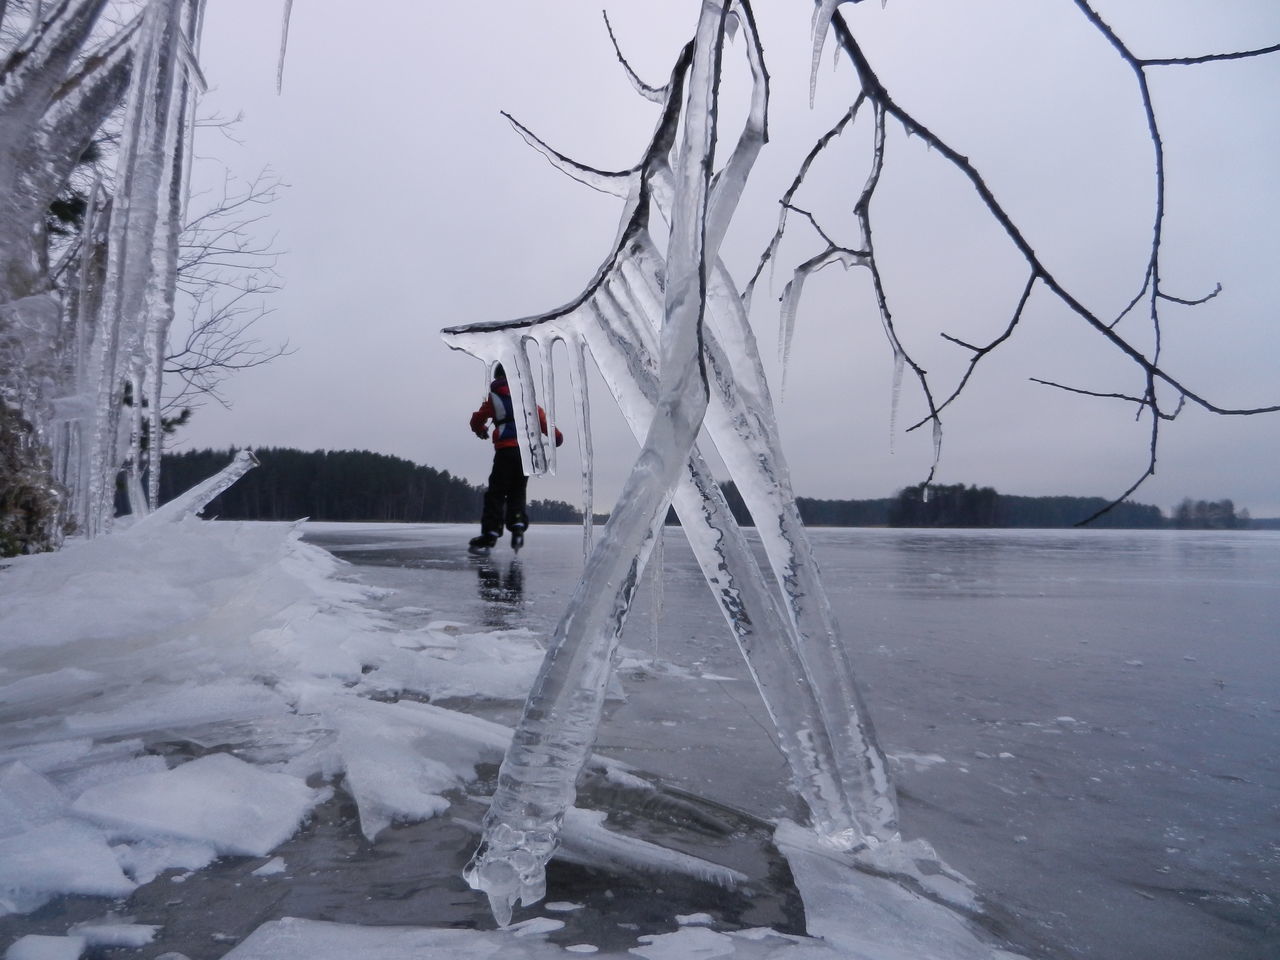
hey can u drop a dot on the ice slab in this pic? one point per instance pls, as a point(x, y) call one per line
point(294, 939)
point(36, 947)
point(867, 916)
point(271, 868)
point(388, 773)
point(147, 859)
point(109, 932)
point(188, 704)
point(62, 856)
point(500, 665)
point(76, 782)
point(217, 800)
point(26, 799)
point(586, 840)
point(685, 944)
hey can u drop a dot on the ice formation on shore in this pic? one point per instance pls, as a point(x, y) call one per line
point(82, 336)
point(672, 339)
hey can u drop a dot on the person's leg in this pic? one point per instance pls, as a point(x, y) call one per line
point(495, 496)
point(517, 518)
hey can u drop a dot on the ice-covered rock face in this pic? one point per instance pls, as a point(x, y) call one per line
point(672, 340)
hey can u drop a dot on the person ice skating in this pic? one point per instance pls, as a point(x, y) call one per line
point(504, 499)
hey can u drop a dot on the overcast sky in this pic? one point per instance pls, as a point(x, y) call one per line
point(413, 206)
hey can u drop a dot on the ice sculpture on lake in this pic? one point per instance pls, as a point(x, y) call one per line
point(81, 333)
point(671, 338)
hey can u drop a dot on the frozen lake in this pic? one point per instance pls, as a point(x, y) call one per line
point(1086, 723)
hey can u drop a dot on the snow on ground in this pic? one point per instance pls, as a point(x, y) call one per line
point(240, 637)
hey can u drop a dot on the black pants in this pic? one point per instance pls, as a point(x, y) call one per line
point(504, 497)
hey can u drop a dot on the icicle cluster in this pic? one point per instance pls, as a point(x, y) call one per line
point(82, 340)
point(671, 339)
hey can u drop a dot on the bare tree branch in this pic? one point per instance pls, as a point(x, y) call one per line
point(225, 273)
point(1150, 289)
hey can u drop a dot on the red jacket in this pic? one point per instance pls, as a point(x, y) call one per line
point(499, 408)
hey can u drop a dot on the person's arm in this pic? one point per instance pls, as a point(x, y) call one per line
point(542, 421)
point(480, 418)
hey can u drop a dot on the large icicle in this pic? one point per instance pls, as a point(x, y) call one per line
point(586, 454)
point(793, 649)
point(536, 784)
point(141, 246)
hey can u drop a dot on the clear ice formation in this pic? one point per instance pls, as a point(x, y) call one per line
point(78, 330)
point(672, 341)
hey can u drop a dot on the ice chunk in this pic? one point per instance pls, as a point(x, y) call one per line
point(37, 947)
point(535, 925)
point(695, 919)
point(588, 841)
point(918, 864)
point(61, 856)
point(294, 939)
point(78, 781)
point(147, 859)
point(186, 705)
point(26, 799)
point(271, 868)
point(862, 915)
point(388, 775)
point(685, 944)
point(110, 932)
point(199, 496)
point(561, 906)
point(499, 665)
point(218, 800)
point(44, 757)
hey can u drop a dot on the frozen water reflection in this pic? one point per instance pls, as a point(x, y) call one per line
point(1085, 722)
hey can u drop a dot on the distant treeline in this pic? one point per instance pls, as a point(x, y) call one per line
point(362, 486)
point(958, 505)
point(338, 485)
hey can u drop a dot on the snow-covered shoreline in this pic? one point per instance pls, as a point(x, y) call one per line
point(243, 639)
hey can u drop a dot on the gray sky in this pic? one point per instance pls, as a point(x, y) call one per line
point(413, 206)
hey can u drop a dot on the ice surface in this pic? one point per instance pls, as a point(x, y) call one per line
point(38, 947)
point(233, 806)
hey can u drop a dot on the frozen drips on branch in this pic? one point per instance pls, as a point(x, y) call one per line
point(685, 309)
point(1161, 395)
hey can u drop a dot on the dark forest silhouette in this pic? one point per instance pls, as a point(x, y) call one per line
point(358, 485)
point(355, 485)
